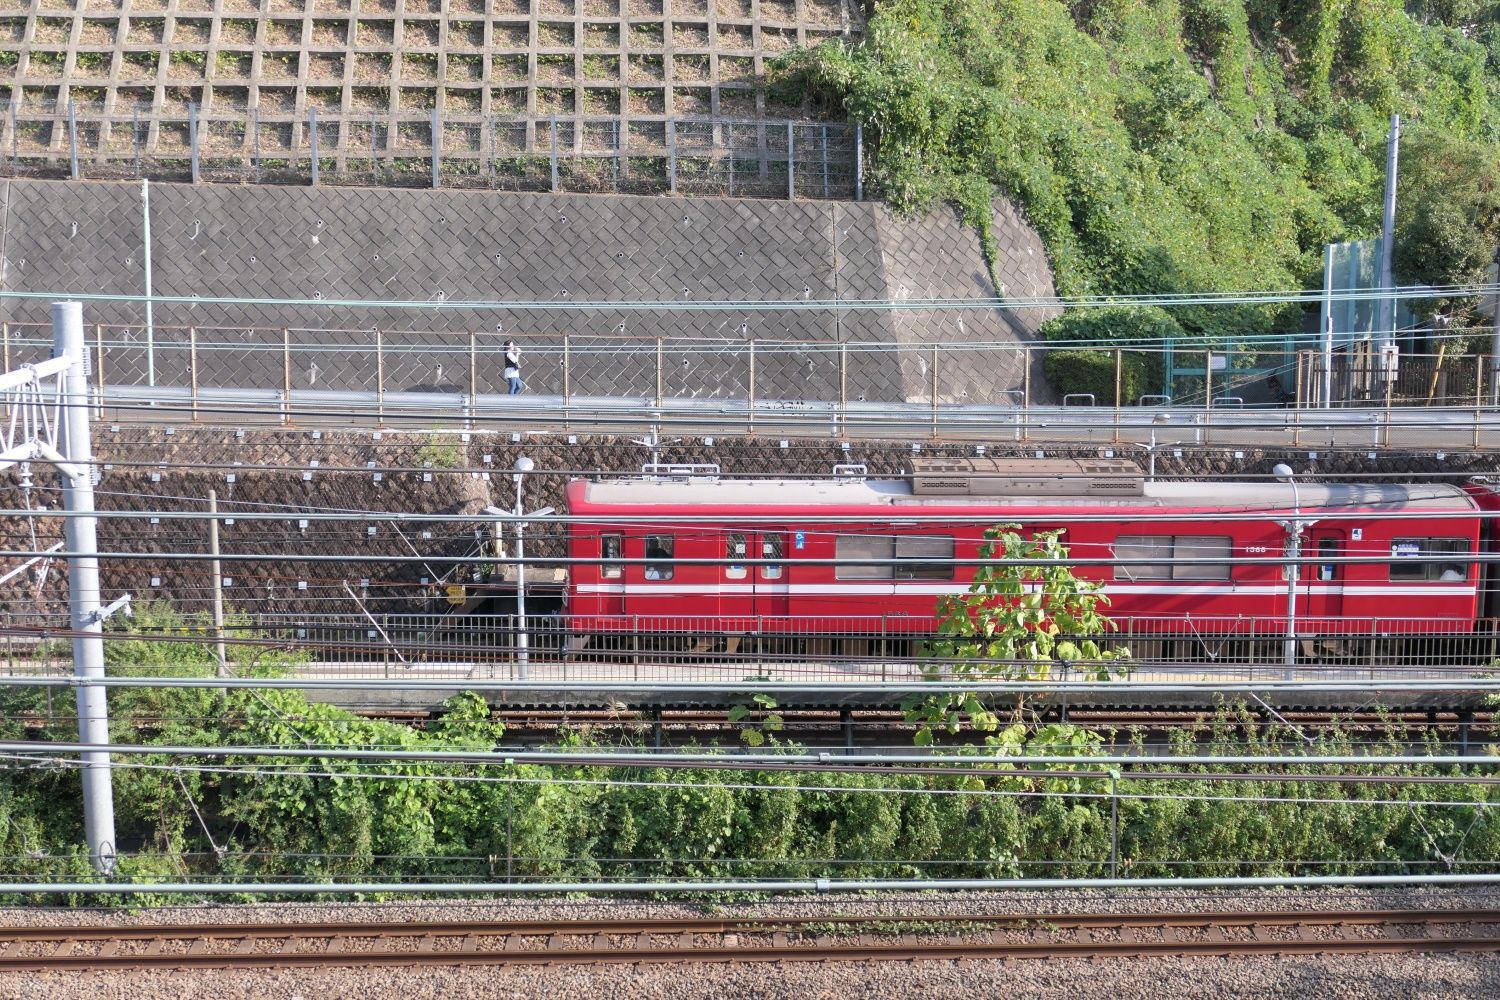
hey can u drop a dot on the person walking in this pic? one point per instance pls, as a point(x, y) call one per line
point(513, 368)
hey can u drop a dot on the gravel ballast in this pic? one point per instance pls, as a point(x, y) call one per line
point(1336, 975)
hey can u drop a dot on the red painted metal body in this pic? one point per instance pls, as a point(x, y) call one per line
point(794, 594)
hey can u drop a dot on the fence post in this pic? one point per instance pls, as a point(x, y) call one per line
point(5, 343)
point(1119, 360)
point(473, 368)
point(567, 376)
point(825, 161)
point(1390, 388)
point(1026, 378)
point(844, 389)
point(379, 378)
point(859, 163)
point(15, 144)
point(791, 166)
point(98, 369)
point(622, 144)
point(1114, 825)
point(193, 371)
point(659, 371)
point(312, 141)
point(934, 392)
point(73, 144)
point(489, 152)
point(750, 402)
point(193, 139)
point(671, 155)
point(437, 145)
point(1478, 394)
point(286, 375)
point(554, 155)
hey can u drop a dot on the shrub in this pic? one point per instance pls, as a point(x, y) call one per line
point(1113, 326)
point(1094, 371)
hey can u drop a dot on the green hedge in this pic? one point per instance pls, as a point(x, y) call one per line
point(1123, 326)
point(1094, 371)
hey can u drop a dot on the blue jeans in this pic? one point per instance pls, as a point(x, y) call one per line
point(516, 385)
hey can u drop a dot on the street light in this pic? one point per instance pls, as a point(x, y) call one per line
point(523, 638)
point(1294, 529)
point(1157, 420)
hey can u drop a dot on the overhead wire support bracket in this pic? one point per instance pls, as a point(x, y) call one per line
point(16, 571)
point(121, 603)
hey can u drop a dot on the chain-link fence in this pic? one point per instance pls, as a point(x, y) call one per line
point(751, 373)
point(763, 159)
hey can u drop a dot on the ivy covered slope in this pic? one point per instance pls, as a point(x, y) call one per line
point(1179, 145)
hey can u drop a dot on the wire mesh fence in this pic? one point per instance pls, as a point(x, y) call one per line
point(733, 368)
point(845, 649)
point(436, 148)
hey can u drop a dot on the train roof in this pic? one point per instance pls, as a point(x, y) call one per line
point(852, 492)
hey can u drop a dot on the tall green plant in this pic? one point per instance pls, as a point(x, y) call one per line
point(1024, 612)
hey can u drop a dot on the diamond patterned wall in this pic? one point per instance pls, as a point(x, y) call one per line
point(422, 246)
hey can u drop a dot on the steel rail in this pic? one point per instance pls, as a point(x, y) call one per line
point(741, 939)
point(774, 886)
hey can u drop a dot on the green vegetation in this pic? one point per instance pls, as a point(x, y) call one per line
point(1166, 146)
point(324, 818)
point(1093, 371)
point(441, 451)
point(1014, 622)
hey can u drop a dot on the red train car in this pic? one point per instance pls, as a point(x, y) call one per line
point(812, 536)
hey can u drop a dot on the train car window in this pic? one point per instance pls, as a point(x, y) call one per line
point(1154, 547)
point(735, 547)
point(611, 547)
point(1328, 548)
point(770, 548)
point(659, 547)
point(1200, 547)
point(1442, 559)
point(913, 549)
point(849, 549)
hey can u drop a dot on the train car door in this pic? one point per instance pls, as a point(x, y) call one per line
point(771, 576)
point(737, 589)
point(1323, 582)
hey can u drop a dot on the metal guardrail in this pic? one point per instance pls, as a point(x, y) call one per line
point(838, 389)
point(875, 648)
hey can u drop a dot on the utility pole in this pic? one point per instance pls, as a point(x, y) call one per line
point(522, 466)
point(83, 585)
point(213, 549)
point(1385, 325)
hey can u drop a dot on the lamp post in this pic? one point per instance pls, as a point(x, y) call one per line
point(523, 638)
point(1294, 529)
point(523, 635)
point(1157, 420)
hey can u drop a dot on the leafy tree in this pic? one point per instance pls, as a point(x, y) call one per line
point(1448, 222)
point(1016, 622)
point(1166, 146)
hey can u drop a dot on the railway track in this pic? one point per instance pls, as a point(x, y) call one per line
point(747, 939)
